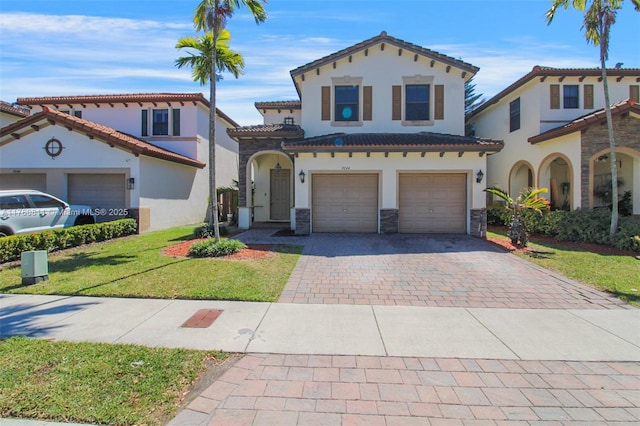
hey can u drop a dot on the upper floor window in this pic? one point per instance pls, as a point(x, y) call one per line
point(570, 98)
point(347, 103)
point(417, 102)
point(514, 115)
point(161, 121)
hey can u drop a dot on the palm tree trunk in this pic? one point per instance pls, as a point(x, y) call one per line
point(213, 196)
point(612, 152)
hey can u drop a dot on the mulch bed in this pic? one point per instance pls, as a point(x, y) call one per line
point(254, 251)
point(505, 243)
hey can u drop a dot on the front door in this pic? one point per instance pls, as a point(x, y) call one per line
point(280, 203)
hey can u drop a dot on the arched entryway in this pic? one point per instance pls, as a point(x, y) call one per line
point(556, 174)
point(520, 178)
point(269, 187)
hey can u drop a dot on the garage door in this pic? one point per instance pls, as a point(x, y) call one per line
point(105, 193)
point(345, 203)
point(23, 181)
point(433, 203)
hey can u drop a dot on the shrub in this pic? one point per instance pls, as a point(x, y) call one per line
point(211, 248)
point(11, 247)
point(499, 215)
point(206, 231)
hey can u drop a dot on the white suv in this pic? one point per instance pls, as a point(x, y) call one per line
point(25, 210)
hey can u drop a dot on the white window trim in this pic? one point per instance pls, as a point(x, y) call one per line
point(347, 80)
point(418, 79)
point(150, 123)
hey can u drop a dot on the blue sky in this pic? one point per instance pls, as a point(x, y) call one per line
point(89, 47)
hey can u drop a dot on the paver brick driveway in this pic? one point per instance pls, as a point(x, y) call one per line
point(429, 270)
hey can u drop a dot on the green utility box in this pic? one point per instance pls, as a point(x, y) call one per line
point(35, 266)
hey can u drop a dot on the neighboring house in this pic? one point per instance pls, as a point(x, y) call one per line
point(375, 144)
point(139, 155)
point(11, 113)
point(553, 124)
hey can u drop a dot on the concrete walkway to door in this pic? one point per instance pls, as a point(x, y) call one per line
point(425, 270)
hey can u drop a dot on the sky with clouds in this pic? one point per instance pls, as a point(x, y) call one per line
point(89, 47)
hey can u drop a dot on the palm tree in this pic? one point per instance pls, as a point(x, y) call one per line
point(600, 15)
point(211, 16)
point(199, 58)
point(528, 199)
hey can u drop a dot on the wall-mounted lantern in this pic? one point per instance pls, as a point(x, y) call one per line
point(479, 176)
point(301, 175)
point(131, 183)
point(278, 166)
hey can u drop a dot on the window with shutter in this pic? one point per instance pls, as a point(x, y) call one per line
point(554, 95)
point(326, 103)
point(634, 92)
point(438, 113)
point(514, 115)
point(396, 103)
point(347, 103)
point(570, 96)
point(367, 103)
point(588, 96)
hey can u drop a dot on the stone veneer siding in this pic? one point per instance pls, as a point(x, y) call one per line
point(303, 221)
point(246, 150)
point(389, 221)
point(478, 223)
point(595, 138)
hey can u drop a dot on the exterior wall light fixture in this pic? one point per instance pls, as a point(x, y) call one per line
point(131, 183)
point(301, 175)
point(479, 176)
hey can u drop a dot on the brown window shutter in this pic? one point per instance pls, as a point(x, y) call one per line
point(439, 102)
point(326, 103)
point(554, 95)
point(396, 102)
point(588, 96)
point(367, 101)
point(634, 92)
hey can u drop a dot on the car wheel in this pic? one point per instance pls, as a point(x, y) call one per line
point(84, 220)
point(5, 232)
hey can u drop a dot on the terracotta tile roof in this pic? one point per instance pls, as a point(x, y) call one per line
point(277, 130)
point(543, 72)
point(125, 99)
point(103, 133)
point(585, 121)
point(383, 37)
point(393, 142)
point(6, 107)
point(279, 105)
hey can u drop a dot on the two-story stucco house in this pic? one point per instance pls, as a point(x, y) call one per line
point(555, 135)
point(374, 144)
point(138, 155)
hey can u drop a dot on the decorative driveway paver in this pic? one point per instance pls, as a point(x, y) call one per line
point(429, 270)
point(341, 390)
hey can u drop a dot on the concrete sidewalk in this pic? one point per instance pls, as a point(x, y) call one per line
point(270, 328)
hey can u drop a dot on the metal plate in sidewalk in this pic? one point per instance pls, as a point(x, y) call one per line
point(203, 318)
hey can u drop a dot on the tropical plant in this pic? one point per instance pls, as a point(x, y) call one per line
point(528, 199)
point(199, 56)
point(600, 15)
point(211, 16)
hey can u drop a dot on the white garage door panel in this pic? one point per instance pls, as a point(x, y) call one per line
point(433, 203)
point(100, 191)
point(36, 181)
point(345, 203)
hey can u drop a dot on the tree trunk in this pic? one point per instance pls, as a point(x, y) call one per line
point(213, 196)
point(612, 153)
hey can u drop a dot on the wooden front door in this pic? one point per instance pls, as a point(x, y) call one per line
point(280, 202)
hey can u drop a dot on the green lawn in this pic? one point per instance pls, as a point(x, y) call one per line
point(617, 274)
point(95, 382)
point(134, 267)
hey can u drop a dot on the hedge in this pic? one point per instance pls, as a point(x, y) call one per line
point(585, 226)
point(12, 246)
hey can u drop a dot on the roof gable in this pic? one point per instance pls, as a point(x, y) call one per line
point(587, 120)
point(108, 135)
